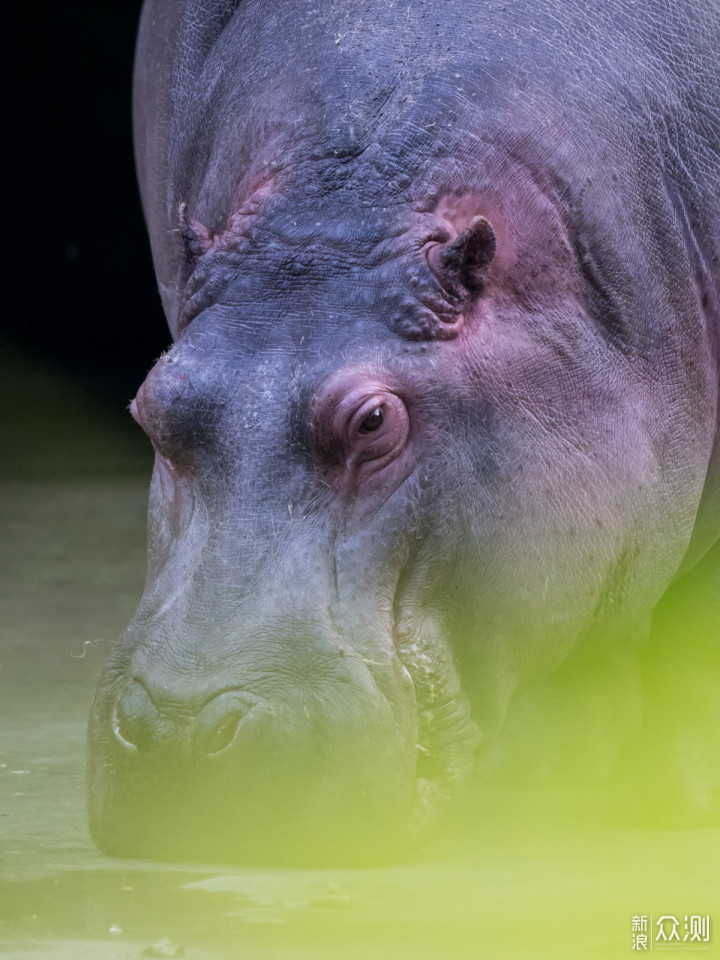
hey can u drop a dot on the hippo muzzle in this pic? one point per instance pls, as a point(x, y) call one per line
point(314, 767)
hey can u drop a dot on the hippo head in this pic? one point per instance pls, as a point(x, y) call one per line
point(387, 456)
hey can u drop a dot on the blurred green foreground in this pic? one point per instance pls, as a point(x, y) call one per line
point(72, 515)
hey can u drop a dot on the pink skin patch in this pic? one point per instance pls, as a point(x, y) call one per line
point(532, 271)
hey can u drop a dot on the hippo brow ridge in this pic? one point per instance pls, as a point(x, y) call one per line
point(425, 287)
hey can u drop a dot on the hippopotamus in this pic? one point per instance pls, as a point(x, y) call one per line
point(436, 495)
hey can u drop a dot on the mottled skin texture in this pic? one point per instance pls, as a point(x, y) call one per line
point(548, 461)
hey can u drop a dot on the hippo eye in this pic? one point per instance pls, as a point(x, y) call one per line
point(373, 421)
point(377, 430)
point(357, 419)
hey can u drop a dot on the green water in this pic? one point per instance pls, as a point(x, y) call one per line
point(72, 514)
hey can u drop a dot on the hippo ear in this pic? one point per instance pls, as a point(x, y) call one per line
point(465, 261)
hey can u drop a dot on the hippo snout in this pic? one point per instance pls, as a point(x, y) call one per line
point(224, 724)
point(320, 769)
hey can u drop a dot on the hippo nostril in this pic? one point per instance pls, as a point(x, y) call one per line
point(134, 718)
point(219, 721)
point(139, 725)
point(223, 735)
point(122, 731)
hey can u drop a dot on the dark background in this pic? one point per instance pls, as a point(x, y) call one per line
point(80, 290)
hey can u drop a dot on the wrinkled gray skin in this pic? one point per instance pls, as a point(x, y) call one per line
point(339, 616)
